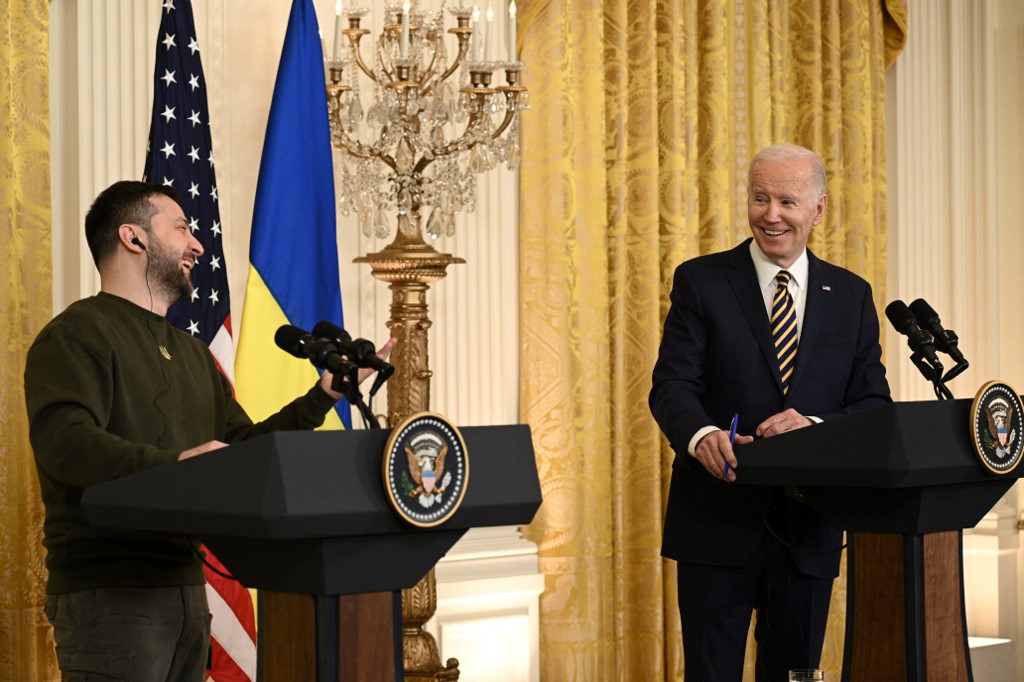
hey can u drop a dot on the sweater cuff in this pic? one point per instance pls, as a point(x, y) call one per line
point(319, 400)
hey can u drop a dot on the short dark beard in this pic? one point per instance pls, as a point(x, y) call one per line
point(165, 272)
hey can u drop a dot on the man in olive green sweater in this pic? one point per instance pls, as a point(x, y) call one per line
point(112, 388)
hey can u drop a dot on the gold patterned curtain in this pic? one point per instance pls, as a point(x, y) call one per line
point(26, 642)
point(645, 116)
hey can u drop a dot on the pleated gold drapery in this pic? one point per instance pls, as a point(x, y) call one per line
point(645, 116)
point(26, 645)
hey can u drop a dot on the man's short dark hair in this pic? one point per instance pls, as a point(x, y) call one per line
point(123, 202)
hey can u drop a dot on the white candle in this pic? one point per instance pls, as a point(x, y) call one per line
point(474, 46)
point(337, 30)
point(512, 31)
point(489, 36)
point(404, 46)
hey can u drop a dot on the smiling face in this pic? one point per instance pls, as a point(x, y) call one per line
point(784, 201)
point(172, 249)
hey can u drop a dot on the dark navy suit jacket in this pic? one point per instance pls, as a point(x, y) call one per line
point(717, 358)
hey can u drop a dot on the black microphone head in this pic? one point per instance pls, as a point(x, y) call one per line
point(924, 313)
point(899, 315)
point(328, 330)
point(292, 340)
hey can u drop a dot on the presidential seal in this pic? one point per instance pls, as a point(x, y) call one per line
point(996, 427)
point(425, 469)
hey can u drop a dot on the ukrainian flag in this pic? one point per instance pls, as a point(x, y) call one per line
point(293, 252)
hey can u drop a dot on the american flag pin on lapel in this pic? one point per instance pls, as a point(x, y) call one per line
point(826, 287)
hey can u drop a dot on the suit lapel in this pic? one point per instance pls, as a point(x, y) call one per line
point(816, 307)
point(743, 279)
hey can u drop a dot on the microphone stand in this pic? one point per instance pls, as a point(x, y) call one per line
point(960, 366)
point(941, 392)
point(350, 389)
point(934, 375)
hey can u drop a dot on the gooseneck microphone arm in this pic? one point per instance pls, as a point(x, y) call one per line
point(921, 344)
point(946, 340)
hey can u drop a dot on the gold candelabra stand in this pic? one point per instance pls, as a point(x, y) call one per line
point(419, 145)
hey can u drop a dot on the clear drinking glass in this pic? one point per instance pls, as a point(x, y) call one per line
point(806, 675)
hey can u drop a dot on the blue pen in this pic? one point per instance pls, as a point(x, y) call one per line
point(732, 439)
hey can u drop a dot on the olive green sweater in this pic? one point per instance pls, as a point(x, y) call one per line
point(113, 389)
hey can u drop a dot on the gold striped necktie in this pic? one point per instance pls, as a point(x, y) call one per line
point(783, 323)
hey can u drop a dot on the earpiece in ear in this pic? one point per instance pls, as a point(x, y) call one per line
point(135, 240)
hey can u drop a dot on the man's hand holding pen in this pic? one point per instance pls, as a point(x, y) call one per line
point(715, 450)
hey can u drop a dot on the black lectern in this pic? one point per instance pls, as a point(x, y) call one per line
point(903, 481)
point(306, 512)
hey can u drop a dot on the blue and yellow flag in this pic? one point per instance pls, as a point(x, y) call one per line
point(293, 252)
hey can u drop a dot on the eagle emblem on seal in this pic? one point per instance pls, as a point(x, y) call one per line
point(999, 414)
point(426, 478)
point(425, 472)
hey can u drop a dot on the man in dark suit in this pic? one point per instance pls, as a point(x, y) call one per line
point(783, 352)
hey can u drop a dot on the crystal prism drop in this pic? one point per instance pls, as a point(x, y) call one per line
point(378, 115)
point(513, 157)
point(381, 228)
point(435, 224)
point(476, 161)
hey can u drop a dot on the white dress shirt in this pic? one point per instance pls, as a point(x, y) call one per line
point(766, 272)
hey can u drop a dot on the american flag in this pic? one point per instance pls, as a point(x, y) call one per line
point(180, 154)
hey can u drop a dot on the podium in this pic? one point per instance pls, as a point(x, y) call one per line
point(903, 481)
point(303, 512)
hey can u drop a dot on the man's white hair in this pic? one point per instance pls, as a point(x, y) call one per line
point(784, 151)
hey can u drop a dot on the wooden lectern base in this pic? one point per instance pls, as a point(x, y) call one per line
point(346, 638)
point(905, 618)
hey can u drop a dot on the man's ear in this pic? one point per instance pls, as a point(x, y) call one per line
point(822, 205)
point(129, 236)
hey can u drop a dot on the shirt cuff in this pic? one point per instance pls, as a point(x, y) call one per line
point(692, 447)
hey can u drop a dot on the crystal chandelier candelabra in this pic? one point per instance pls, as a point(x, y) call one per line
point(435, 121)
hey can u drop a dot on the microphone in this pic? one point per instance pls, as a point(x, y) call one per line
point(919, 340)
point(321, 352)
point(359, 351)
point(946, 340)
